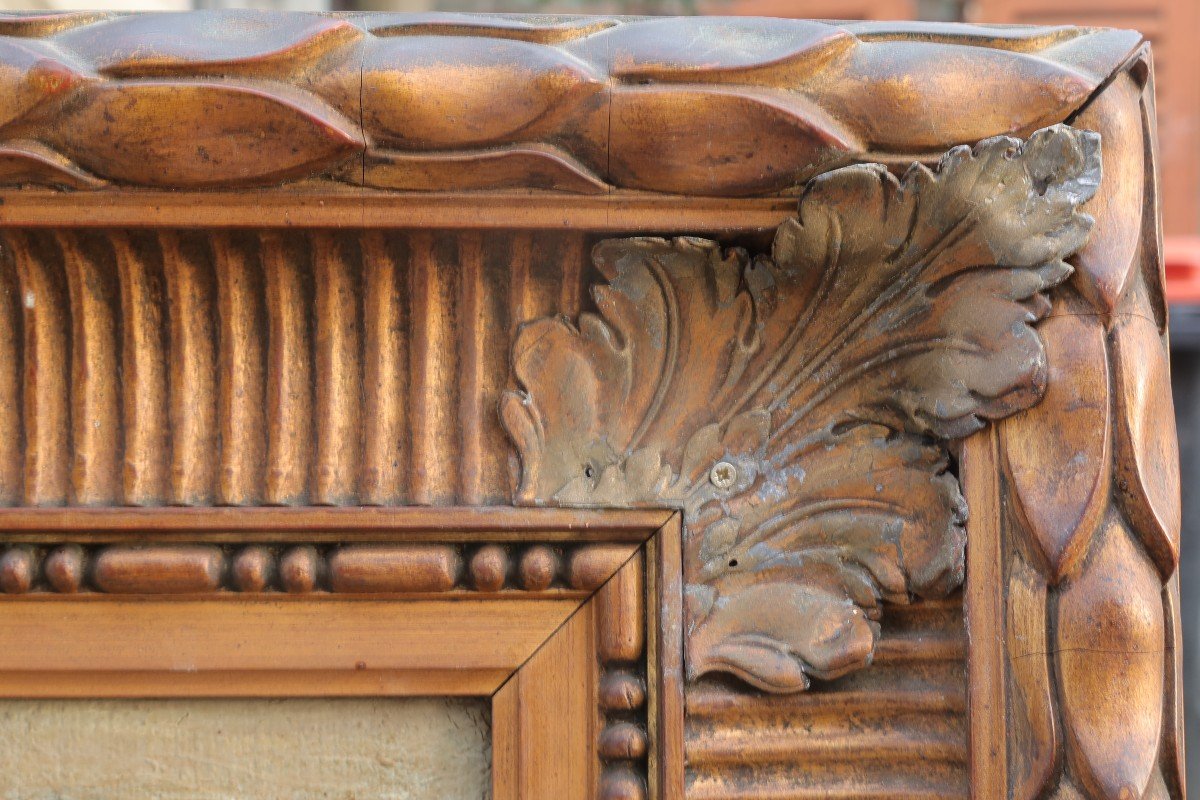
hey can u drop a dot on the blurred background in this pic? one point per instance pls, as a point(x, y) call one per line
point(1172, 26)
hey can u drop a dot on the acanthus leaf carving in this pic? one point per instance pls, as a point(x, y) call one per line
point(797, 406)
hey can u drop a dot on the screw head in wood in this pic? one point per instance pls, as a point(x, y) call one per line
point(723, 475)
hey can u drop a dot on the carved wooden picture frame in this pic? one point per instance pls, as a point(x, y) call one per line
point(837, 318)
point(543, 613)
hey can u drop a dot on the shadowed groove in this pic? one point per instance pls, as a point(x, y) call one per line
point(333, 353)
point(495, 319)
point(143, 374)
point(385, 359)
point(433, 365)
point(243, 428)
point(46, 368)
point(901, 724)
point(472, 333)
point(269, 367)
point(520, 262)
point(11, 423)
point(289, 373)
point(337, 376)
point(193, 370)
point(95, 376)
point(571, 260)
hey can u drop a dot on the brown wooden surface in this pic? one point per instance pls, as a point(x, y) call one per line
point(581, 106)
point(545, 715)
point(565, 662)
point(191, 317)
point(1074, 651)
point(1169, 25)
point(775, 399)
point(889, 10)
point(418, 644)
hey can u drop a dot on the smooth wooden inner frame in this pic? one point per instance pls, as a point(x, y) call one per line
point(535, 655)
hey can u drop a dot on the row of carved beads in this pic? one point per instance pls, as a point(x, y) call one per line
point(624, 741)
point(304, 568)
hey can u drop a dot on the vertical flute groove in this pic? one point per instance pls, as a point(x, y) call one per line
point(337, 373)
point(495, 288)
point(240, 403)
point(385, 362)
point(434, 376)
point(423, 448)
point(45, 401)
point(520, 263)
point(95, 415)
point(289, 375)
point(572, 274)
point(267, 367)
point(472, 332)
point(193, 374)
point(143, 376)
point(12, 434)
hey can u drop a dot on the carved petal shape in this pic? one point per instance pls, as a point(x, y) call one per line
point(1018, 38)
point(912, 103)
point(1099, 53)
point(860, 497)
point(1032, 703)
point(775, 634)
point(205, 42)
point(1063, 481)
point(658, 135)
point(1173, 754)
point(1106, 261)
point(1147, 446)
point(541, 29)
point(621, 366)
point(47, 23)
point(442, 92)
point(30, 74)
point(500, 168)
point(688, 48)
point(30, 162)
point(1109, 642)
point(130, 132)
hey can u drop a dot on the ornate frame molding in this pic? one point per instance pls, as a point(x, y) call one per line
point(556, 632)
point(1074, 605)
point(798, 406)
point(201, 321)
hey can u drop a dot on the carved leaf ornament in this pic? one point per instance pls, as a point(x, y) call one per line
point(797, 405)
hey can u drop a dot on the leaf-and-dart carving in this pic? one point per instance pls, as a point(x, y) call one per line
point(797, 406)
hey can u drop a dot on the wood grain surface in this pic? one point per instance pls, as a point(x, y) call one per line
point(1073, 626)
point(444, 101)
point(271, 368)
point(554, 633)
point(228, 358)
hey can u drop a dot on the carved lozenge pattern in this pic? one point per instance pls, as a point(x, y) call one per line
point(796, 405)
point(454, 101)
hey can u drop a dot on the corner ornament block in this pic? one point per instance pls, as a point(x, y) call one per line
point(798, 405)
